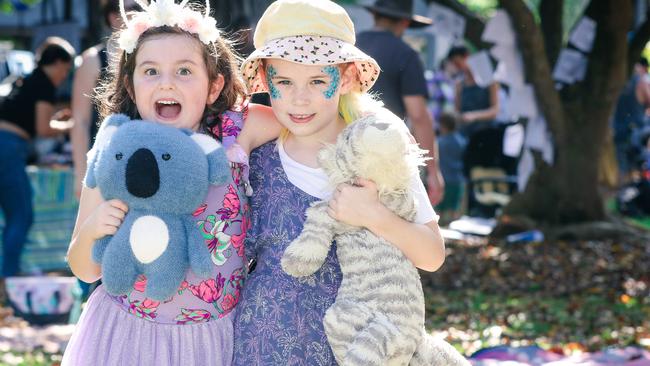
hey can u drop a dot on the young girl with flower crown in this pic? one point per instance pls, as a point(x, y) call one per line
point(177, 70)
point(317, 79)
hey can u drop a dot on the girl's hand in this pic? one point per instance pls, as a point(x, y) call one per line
point(355, 205)
point(105, 220)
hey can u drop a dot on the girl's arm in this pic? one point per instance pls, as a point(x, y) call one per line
point(260, 127)
point(96, 218)
point(44, 111)
point(359, 205)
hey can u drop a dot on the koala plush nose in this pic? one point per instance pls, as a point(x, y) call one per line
point(142, 174)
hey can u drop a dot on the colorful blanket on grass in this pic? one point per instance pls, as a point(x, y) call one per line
point(536, 356)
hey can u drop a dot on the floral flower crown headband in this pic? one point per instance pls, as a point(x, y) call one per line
point(159, 13)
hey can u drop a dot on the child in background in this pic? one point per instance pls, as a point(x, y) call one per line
point(317, 79)
point(451, 145)
point(175, 69)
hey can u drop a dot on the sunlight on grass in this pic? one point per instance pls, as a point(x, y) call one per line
point(588, 322)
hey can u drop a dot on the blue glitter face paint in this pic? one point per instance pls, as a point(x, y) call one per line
point(335, 76)
point(273, 91)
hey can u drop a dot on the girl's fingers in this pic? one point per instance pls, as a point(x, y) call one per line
point(113, 221)
point(362, 182)
point(117, 213)
point(333, 204)
point(109, 230)
point(119, 204)
point(331, 213)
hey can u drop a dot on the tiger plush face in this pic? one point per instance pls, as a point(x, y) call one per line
point(377, 147)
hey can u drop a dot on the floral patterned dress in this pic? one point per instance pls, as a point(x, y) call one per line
point(279, 319)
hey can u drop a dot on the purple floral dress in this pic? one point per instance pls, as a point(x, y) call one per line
point(222, 220)
point(279, 319)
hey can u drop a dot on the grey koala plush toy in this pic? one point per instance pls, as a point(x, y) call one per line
point(162, 173)
point(378, 315)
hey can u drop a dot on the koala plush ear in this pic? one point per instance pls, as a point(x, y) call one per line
point(103, 138)
point(218, 164)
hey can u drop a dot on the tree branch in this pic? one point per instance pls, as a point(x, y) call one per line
point(538, 71)
point(606, 73)
point(474, 24)
point(638, 42)
point(550, 14)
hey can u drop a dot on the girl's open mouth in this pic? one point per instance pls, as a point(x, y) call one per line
point(168, 109)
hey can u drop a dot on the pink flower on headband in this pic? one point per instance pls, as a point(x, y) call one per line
point(129, 36)
point(140, 25)
point(190, 22)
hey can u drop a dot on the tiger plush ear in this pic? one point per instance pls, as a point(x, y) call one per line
point(218, 164)
point(103, 138)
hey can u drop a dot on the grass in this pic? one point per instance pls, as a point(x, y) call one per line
point(585, 322)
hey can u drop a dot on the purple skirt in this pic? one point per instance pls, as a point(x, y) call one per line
point(108, 335)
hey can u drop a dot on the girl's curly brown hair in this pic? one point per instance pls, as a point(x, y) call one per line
point(112, 95)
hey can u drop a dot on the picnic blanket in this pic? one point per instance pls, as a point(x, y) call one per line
point(536, 356)
point(55, 211)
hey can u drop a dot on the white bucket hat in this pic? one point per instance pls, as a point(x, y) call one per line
point(310, 32)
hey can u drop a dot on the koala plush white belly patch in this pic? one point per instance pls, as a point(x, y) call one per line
point(149, 238)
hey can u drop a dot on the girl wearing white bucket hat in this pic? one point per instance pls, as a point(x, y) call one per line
point(306, 60)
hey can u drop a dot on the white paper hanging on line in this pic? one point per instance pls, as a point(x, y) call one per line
point(536, 133)
point(582, 70)
point(583, 34)
point(523, 102)
point(446, 22)
point(570, 66)
point(504, 114)
point(525, 169)
point(510, 69)
point(513, 140)
point(504, 51)
point(499, 29)
point(548, 152)
point(538, 137)
point(481, 67)
point(510, 74)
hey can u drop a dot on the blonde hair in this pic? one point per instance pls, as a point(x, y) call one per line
point(356, 104)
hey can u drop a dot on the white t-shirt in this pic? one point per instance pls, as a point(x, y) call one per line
point(314, 182)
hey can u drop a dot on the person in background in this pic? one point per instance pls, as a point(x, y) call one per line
point(401, 84)
point(25, 114)
point(629, 116)
point(441, 89)
point(92, 69)
point(451, 145)
point(478, 106)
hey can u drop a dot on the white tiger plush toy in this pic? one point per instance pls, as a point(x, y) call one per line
point(378, 315)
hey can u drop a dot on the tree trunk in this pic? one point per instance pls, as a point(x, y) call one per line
point(578, 117)
point(568, 191)
point(550, 16)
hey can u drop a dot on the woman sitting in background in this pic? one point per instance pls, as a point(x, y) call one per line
point(26, 113)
